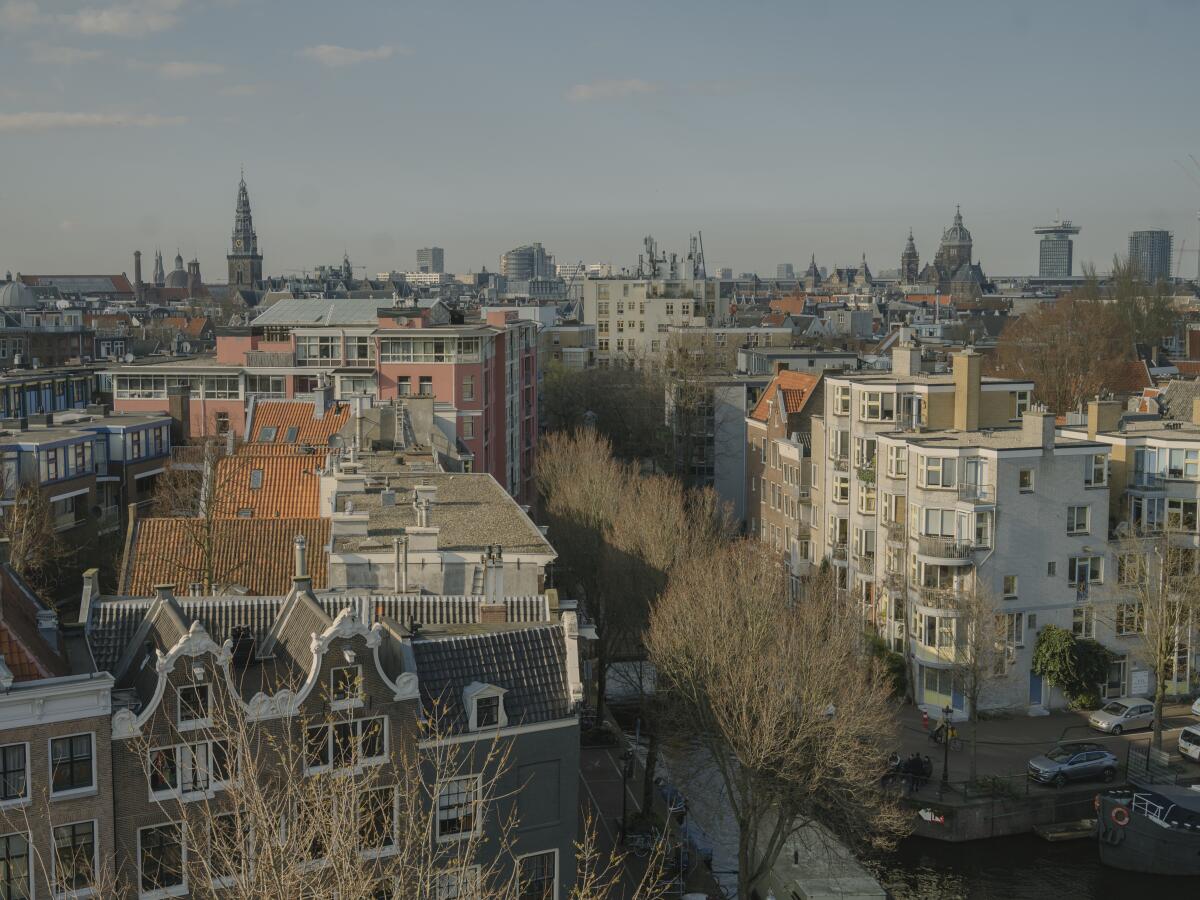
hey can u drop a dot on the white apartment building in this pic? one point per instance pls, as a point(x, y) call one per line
point(633, 316)
point(926, 485)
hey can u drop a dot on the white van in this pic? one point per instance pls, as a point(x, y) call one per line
point(1189, 742)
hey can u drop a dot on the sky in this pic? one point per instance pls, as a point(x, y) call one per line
point(777, 129)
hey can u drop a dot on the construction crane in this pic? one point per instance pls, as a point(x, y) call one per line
point(1192, 176)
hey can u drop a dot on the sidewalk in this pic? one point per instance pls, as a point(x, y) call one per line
point(1005, 745)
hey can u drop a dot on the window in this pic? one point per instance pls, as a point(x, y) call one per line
point(289, 436)
point(256, 479)
point(188, 770)
point(1025, 481)
point(426, 386)
point(468, 430)
point(458, 885)
point(71, 759)
point(841, 399)
point(487, 712)
point(983, 529)
point(537, 876)
point(1010, 585)
point(194, 705)
point(864, 452)
point(1130, 618)
point(227, 847)
point(345, 688)
point(1014, 629)
point(267, 433)
point(1181, 514)
point(14, 781)
point(14, 866)
point(377, 819)
point(1096, 473)
point(1083, 621)
point(346, 744)
point(161, 857)
point(74, 856)
point(457, 808)
point(936, 472)
point(403, 386)
point(875, 406)
point(1082, 570)
point(1051, 569)
point(1131, 569)
point(1078, 520)
point(841, 489)
point(1021, 404)
point(468, 387)
point(897, 461)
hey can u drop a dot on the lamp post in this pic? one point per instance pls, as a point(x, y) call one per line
point(626, 771)
point(946, 713)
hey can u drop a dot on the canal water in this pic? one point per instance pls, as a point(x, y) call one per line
point(1023, 867)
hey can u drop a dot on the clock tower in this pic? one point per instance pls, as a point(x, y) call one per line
point(245, 262)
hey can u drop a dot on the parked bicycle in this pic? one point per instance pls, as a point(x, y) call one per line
point(946, 731)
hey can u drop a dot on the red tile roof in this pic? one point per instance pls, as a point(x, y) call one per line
point(268, 487)
point(794, 387)
point(254, 553)
point(284, 414)
point(790, 305)
point(1129, 378)
point(1187, 366)
point(26, 652)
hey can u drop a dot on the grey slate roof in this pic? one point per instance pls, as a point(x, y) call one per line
point(1177, 397)
point(323, 311)
point(530, 664)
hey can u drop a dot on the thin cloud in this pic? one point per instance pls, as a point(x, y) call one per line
point(20, 14)
point(243, 90)
point(188, 69)
point(611, 90)
point(45, 54)
point(133, 19)
point(332, 56)
point(49, 121)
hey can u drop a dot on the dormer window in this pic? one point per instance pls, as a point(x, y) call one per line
point(485, 706)
point(194, 706)
point(345, 687)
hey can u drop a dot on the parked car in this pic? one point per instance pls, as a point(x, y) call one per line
point(1073, 762)
point(1123, 714)
point(1196, 707)
point(1189, 742)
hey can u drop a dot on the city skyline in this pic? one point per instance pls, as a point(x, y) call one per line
point(128, 124)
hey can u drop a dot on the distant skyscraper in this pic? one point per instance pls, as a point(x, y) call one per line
point(785, 271)
point(431, 259)
point(1150, 251)
point(1056, 252)
point(526, 262)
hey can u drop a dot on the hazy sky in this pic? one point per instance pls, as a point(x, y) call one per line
point(777, 128)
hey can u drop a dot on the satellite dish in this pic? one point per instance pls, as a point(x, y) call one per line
point(128, 357)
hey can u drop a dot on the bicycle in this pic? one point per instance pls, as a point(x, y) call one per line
point(936, 736)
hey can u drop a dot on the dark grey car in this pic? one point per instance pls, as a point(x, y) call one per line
point(1073, 762)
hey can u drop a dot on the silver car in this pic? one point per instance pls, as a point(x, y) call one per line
point(1073, 762)
point(1123, 714)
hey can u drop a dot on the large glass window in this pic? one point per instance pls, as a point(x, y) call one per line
point(937, 472)
point(161, 857)
point(71, 761)
point(457, 808)
point(318, 350)
point(74, 856)
point(14, 867)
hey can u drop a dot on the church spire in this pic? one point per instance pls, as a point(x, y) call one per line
point(245, 261)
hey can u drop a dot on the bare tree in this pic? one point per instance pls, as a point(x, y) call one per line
point(35, 547)
point(981, 651)
point(1158, 601)
point(782, 698)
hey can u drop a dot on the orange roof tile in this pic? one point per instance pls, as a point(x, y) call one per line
point(790, 305)
point(254, 553)
point(26, 652)
point(1187, 366)
point(794, 387)
point(268, 487)
point(283, 415)
point(258, 448)
point(1129, 378)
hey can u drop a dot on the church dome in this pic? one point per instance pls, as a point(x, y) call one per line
point(16, 295)
point(178, 277)
point(957, 233)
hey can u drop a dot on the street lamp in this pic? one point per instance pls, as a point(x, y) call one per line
point(626, 772)
point(946, 713)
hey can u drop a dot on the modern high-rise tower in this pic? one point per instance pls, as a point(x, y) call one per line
point(1056, 251)
point(431, 259)
point(1150, 251)
point(245, 262)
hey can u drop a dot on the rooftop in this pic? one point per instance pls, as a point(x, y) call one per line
point(268, 487)
point(986, 439)
point(796, 388)
point(471, 510)
point(295, 421)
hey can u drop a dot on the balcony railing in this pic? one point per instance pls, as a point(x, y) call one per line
point(1147, 481)
point(977, 493)
point(864, 564)
point(841, 463)
point(839, 552)
point(271, 359)
point(892, 531)
point(894, 581)
point(943, 547)
point(939, 597)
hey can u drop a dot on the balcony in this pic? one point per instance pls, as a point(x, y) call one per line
point(1147, 482)
point(893, 531)
point(840, 463)
point(270, 359)
point(799, 493)
point(978, 494)
point(838, 555)
point(940, 598)
point(937, 656)
point(865, 565)
point(894, 582)
point(944, 551)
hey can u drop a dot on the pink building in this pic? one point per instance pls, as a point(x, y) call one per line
point(482, 376)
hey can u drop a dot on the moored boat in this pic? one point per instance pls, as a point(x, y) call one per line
point(1152, 830)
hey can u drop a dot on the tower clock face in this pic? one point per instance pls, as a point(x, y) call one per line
point(238, 243)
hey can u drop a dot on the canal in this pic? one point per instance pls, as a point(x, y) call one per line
point(1023, 867)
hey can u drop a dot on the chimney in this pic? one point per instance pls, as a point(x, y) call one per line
point(968, 366)
point(164, 591)
point(906, 356)
point(400, 549)
point(301, 558)
point(570, 623)
point(47, 626)
point(1105, 415)
point(137, 273)
point(1037, 426)
point(91, 591)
